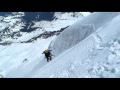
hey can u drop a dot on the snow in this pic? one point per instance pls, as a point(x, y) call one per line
point(10, 24)
point(2, 26)
point(85, 60)
point(22, 52)
point(80, 30)
point(28, 36)
point(85, 13)
point(63, 20)
point(89, 48)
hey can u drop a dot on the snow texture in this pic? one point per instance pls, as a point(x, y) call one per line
point(89, 48)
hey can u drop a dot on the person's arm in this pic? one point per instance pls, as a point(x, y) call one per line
point(51, 54)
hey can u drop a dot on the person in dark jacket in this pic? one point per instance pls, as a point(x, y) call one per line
point(48, 55)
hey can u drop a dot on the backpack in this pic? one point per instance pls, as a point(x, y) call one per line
point(46, 51)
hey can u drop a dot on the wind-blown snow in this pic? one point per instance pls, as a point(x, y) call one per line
point(80, 30)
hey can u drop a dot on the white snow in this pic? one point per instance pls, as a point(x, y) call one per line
point(63, 20)
point(11, 23)
point(86, 60)
point(14, 55)
point(80, 30)
point(85, 13)
point(89, 48)
point(2, 26)
point(28, 36)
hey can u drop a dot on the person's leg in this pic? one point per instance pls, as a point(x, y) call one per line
point(47, 58)
point(50, 57)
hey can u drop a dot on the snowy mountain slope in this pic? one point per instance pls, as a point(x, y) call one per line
point(97, 56)
point(80, 30)
point(10, 27)
point(15, 56)
point(64, 21)
point(20, 57)
point(18, 24)
point(61, 20)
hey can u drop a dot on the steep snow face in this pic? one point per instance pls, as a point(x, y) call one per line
point(26, 58)
point(97, 56)
point(80, 30)
point(94, 52)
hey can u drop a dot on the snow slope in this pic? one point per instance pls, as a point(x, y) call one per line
point(26, 58)
point(13, 57)
point(80, 30)
point(95, 55)
point(92, 55)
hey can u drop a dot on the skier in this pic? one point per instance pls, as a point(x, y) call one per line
point(48, 55)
